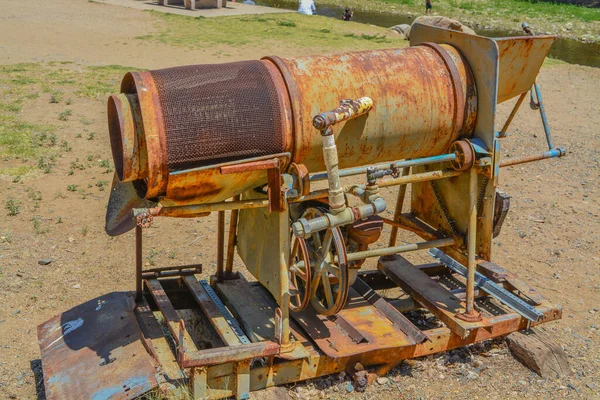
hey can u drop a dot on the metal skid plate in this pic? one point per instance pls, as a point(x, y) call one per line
point(95, 351)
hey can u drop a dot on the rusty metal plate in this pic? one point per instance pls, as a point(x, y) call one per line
point(377, 333)
point(123, 199)
point(520, 61)
point(95, 351)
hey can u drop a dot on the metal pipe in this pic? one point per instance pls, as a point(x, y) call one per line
point(233, 219)
point(425, 176)
point(398, 211)
point(472, 242)
point(361, 255)
point(502, 133)
point(220, 243)
point(554, 153)
point(540, 104)
point(400, 164)
point(138, 263)
point(337, 201)
point(303, 228)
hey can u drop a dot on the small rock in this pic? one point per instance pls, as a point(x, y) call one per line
point(382, 380)
point(16, 312)
point(45, 261)
point(358, 367)
point(572, 387)
point(349, 388)
point(591, 386)
point(342, 375)
point(397, 378)
point(361, 380)
point(371, 377)
point(77, 286)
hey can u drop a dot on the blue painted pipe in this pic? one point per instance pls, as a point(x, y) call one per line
point(400, 164)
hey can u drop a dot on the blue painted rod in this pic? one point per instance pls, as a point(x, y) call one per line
point(400, 164)
point(556, 152)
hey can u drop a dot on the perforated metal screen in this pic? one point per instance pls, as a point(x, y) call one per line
point(219, 113)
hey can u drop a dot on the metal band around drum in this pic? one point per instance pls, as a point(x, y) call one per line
point(459, 95)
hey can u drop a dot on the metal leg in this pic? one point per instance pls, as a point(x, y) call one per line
point(284, 280)
point(471, 314)
point(540, 103)
point(242, 390)
point(512, 115)
point(199, 383)
point(399, 203)
point(232, 239)
point(220, 243)
point(138, 263)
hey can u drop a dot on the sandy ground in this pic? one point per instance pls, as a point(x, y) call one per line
point(93, 34)
point(231, 9)
point(551, 236)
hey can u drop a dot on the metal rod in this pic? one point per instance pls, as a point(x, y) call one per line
point(232, 238)
point(504, 296)
point(425, 176)
point(512, 115)
point(398, 211)
point(554, 153)
point(400, 164)
point(138, 263)
point(202, 209)
point(220, 243)
point(472, 242)
point(540, 103)
point(195, 209)
point(361, 255)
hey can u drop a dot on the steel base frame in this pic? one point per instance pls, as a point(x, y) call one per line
point(236, 369)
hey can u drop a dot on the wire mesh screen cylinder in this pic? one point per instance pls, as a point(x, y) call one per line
point(186, 120)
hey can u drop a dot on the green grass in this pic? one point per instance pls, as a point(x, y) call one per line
point(37, 144)
point(315, 32)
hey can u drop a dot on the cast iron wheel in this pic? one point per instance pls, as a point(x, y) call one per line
point(329, 267)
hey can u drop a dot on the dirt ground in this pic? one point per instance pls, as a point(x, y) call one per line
point(551, 236)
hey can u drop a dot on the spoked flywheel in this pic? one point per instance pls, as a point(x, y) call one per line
point(299, 274)
point(328, 267)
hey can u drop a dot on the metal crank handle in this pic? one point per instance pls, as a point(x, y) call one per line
point(348, 109)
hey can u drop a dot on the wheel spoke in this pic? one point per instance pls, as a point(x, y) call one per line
point(327, 289)
point(316, 239)
point(326, 246)
point(294, 252)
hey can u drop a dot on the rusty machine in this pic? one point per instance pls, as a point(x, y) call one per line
point(307, 191)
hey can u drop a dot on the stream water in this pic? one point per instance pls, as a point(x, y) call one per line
point(567, 50)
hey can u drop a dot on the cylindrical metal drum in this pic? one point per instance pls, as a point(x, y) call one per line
point(169, 121)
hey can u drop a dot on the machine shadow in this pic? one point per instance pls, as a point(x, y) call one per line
point(38, 374)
